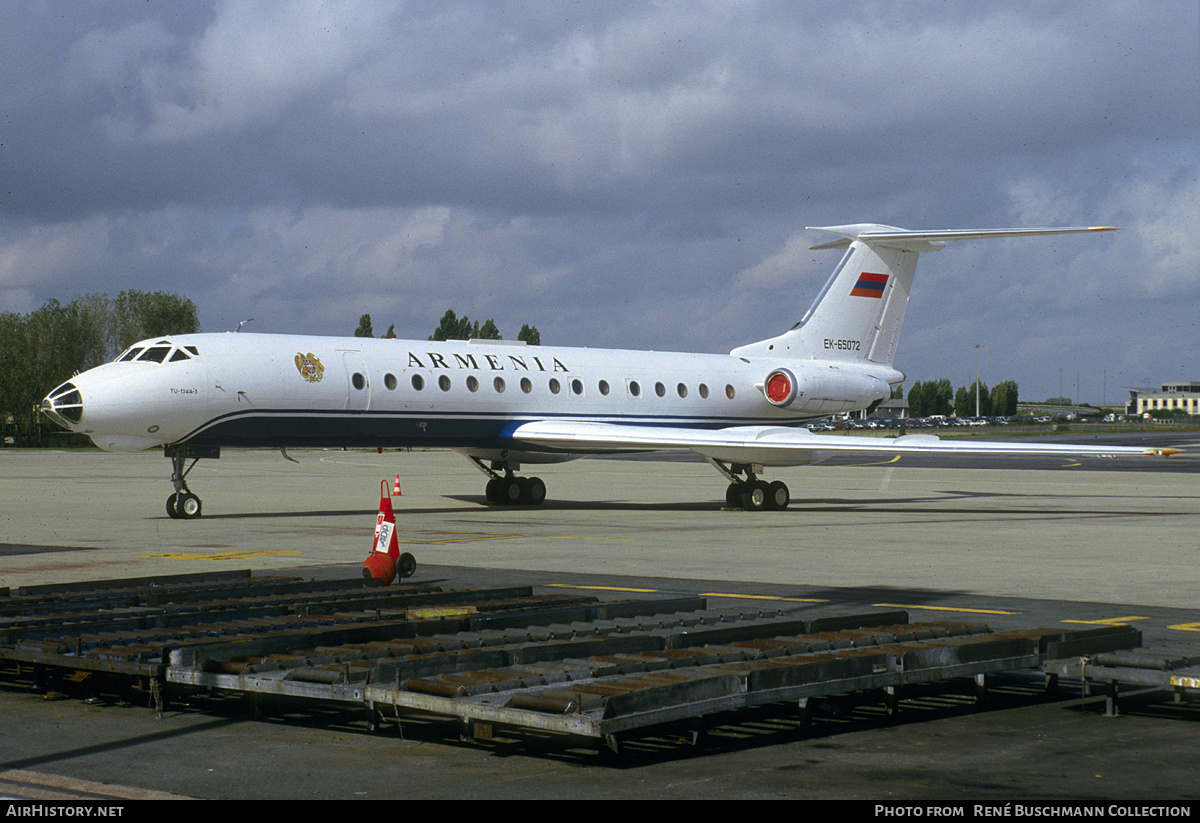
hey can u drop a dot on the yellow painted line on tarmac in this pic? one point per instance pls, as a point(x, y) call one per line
point(603, 588)
point(577, 537)
point(700, 594)
point(895, 459)
point(764, 597)
point(221, 555)
point(1111, 621)
point(466, 537)
point(941, 608)
point(1186, 627)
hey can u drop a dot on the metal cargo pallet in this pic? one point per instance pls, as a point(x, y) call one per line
point(493, 661)
point(129, 628)
point(1178, 674)
point(621, 679)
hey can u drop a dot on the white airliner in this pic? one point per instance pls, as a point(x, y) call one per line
point(503, 404)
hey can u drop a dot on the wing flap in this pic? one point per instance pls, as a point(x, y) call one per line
point(779, 445)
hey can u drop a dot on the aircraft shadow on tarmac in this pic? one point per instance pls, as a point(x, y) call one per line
point(934, 503)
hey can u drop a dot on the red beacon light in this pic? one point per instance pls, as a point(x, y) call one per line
point(780, 387)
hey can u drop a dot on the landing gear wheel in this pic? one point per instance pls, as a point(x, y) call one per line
point(406, 565)
point(510, 491)
point(173, 507)
point(754, 496)
point(493, 489)
point(188, 506)
point(733, 495)
point(533, 491)
point(778, 496)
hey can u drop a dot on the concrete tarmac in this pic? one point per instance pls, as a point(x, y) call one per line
point(1074, 533)
point(1028, 545)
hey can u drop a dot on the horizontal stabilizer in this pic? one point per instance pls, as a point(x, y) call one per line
point(876, 235)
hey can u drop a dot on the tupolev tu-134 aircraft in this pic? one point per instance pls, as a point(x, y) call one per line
point(505, 404)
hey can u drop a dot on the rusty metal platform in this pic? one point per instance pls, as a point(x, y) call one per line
point(497, 661)
point(1178, 674)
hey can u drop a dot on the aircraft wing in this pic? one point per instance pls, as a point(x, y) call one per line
point(779, 445)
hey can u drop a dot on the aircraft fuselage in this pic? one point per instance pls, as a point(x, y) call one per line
point(279, 391)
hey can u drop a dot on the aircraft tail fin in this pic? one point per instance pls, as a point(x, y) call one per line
point(858, 313)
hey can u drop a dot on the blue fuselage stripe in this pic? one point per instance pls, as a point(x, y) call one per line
point(323, 429)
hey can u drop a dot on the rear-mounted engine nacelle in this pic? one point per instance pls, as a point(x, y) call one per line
point(780, 387)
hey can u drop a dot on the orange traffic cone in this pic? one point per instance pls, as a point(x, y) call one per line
point(380, 566)
point(396, 488)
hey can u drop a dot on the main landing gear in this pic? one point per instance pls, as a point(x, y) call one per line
point(750, 493)
point(183, 505)
point(506, 489)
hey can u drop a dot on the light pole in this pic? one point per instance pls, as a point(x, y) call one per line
point(976, 379)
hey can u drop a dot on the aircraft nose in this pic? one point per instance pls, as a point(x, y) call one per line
point(64, 406)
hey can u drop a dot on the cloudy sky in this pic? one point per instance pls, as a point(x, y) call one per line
point(619, 174)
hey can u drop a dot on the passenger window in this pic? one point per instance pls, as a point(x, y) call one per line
point(554, 387)
point(660, 389)
point(604, 387)
point(634, 388)
point(682, 389)
point(444, 383)
point(499, 384)
point(526, 385)
point(577, 386)
point(418, 382)
point(358, 380)
point(472, 383)
point(729, 391)
point(389, 380)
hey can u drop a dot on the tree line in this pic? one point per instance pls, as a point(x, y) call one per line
point(43, 348)
point(453, 327)
point(936, 397)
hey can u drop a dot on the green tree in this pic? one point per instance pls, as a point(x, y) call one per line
point(364, 327)
point(137, 315)
point(488, 331)
point(451, 328)
point(940, 394)
point(916, 400)
point(967, 400)
point(1004, 398)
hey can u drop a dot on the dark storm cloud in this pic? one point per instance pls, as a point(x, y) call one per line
point(572, 164)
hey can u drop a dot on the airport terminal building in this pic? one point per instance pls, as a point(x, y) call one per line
point(1184, 396)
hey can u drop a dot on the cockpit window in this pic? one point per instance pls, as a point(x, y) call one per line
point(161, 352)
point(156, 353)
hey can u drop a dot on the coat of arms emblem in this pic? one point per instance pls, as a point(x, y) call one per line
point(310, 367)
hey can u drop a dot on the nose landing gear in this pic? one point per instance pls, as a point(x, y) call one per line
point(183, 504)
